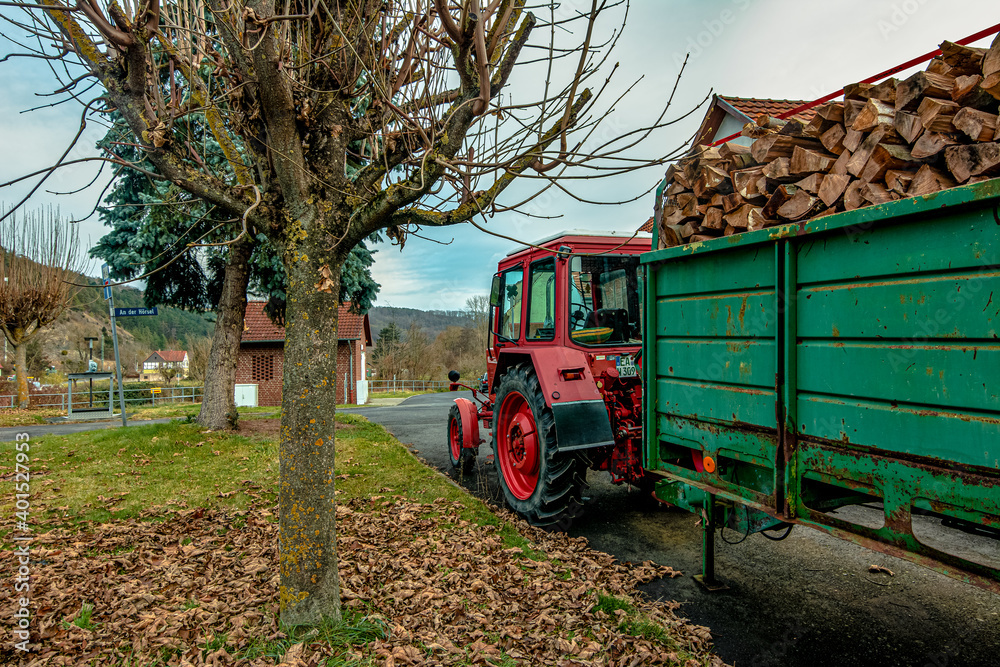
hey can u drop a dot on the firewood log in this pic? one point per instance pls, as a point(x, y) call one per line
point(874, 114)
point(928, 180)
point(833, 138)
point(908, 126)
point(833, 187)
point(898, 180)
point(972, 159)
point(922, 85)
point(991, 69)
point(831, 111)
point(713, 219)
point(805, 161)
point(781, 194)
point(876, 193)
point(745, 182)
point(885, 157)
point(852, 107)
point(978, 125)
point(931, 143)
point(853, 139)
point(811, 183)
point(963, 60)
point(774, 146)
point(853, 198)
point(968, 93)
point(731, 202)
point(860, 158)
point(936, 115)
point(799, 206)
point(840, 166)
point(778, 170)
point(747, 217)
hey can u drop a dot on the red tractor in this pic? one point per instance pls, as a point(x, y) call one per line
point(562, 391)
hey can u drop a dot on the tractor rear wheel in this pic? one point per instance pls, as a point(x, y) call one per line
point(460, 457)
point(538, 482)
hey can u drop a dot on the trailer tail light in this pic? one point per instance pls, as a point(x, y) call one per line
point(571, 373)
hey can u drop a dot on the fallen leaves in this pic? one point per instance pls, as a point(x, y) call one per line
point(199, 587)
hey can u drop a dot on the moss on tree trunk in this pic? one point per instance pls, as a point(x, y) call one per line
point(218, 406)
point(310, 586)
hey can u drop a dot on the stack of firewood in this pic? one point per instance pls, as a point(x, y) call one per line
point(935, 130)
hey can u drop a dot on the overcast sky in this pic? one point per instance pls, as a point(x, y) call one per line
point(780, 49)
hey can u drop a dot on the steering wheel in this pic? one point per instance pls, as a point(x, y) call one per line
point(578, 316)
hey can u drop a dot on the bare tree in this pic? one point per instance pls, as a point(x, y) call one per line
point(39, 257)
point(331, 121)
point(478, 309)
point(168, 372)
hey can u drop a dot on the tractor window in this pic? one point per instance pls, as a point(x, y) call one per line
point(509, 312)
point(542, 301)
point(604, 300)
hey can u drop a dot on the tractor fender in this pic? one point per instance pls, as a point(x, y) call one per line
point(470, 423)
point(578, 408)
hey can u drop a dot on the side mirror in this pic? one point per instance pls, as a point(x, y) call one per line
point(496, 290)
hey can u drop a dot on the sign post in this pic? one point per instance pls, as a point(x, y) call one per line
point(105, 271)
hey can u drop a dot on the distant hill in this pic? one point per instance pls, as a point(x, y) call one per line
point(432, 322)
point(171, 324)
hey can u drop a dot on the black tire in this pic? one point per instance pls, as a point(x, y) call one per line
point(555, 499)
point(466, 458)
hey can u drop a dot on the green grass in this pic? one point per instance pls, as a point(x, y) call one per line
point(83, 617)
point(120, 473)
point(352, 630)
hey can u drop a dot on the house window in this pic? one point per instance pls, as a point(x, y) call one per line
point(262, 367)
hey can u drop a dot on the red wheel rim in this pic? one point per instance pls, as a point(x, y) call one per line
point(518, 446)
point(454, 440)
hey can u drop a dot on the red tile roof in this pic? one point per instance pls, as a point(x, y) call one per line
point(258, 327)
point(176, 356)
point(753, 108)
point(647, 226)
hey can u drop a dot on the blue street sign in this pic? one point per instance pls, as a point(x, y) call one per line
point(135, 312)
point(107, 290)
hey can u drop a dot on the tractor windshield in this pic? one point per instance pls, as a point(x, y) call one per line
point(604, 300)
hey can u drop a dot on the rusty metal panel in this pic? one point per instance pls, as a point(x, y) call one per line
point(883, 342)
point(744, 363)
point(943, 373)
point(927, 306)
point(747, 314)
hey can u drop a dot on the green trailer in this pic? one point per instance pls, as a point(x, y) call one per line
point(841, 374)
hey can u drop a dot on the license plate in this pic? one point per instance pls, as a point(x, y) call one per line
point(626, 367)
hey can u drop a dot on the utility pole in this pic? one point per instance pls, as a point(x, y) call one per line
point(105, 272)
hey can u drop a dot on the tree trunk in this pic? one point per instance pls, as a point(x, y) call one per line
point(310, 586)
point(21, 366)
point(218, 405)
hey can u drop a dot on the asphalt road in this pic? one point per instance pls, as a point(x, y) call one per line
point(806, 601)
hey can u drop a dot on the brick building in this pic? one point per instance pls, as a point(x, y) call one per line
point(262, 354)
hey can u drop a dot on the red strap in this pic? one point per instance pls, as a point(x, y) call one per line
point(878, 77)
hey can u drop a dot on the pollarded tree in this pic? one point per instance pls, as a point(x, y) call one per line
point(151, 221)
point(39, 259)
point(338, 119)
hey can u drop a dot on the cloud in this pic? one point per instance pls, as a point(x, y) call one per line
point(746, 48)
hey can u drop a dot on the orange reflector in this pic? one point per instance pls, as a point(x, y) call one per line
point(709, 464)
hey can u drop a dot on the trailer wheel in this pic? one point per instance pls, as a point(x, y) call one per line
point(460, 458)
point(540, 484)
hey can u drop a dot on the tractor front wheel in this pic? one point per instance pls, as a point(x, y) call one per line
point(538, 482)
point(460, 457)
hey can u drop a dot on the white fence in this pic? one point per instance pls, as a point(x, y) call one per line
point(81, 397)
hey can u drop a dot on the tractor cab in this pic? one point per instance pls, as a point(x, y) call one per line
point(577, 290)
point(562, 389)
